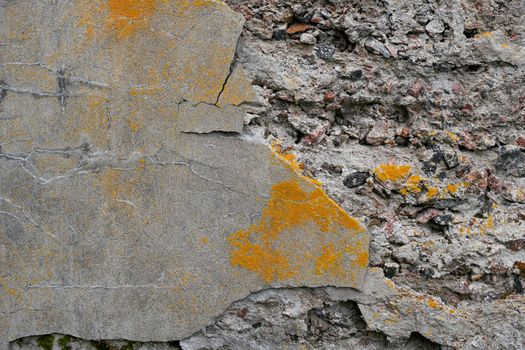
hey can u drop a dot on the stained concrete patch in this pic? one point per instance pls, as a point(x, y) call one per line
point(117, 225)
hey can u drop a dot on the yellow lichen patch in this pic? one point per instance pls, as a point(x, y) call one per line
point(392, 172)
point(300, 202)
point(128, 16)
point(205, 240)
point(478, 227)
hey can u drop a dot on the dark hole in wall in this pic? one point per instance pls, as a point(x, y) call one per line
point(67, 342)
point(418, 342)
point(470, 32)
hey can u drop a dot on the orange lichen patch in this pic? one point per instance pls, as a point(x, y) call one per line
point(520, 266)
point(91, 125)
point(260, 258)
point(289, 160)
point(88, 12)
point(144, 91)
point(115, 183)
point(298, 28)
point(505, 46)
point(412, 185)
point(203, 78)
point(134, 125)
point(132, 9)
point(392, 172)
point(432, 303)
point(432, 192)
point(53, 162)
point(453, 188)
point(299, 203)
point(362, 259)
point(128, 16)
point(205, 240)
point(329, 261)
point(486, 34)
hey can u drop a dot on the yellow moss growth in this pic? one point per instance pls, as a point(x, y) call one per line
point(392, 172)
point(296, 203)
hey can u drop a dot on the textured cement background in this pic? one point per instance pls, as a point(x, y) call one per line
point(410, 114)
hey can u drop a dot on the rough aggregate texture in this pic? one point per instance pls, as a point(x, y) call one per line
point(412, 115)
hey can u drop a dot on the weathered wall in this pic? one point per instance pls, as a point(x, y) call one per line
point(411, 115)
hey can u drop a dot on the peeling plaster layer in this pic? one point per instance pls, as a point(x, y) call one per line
point(114, 223)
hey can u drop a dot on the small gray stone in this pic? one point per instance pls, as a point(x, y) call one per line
point(375, 46)
point(511, 162)
point(451, 159)
point(308, 39)
point(435, 26)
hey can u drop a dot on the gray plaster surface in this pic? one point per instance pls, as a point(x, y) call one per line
point(117, 220)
